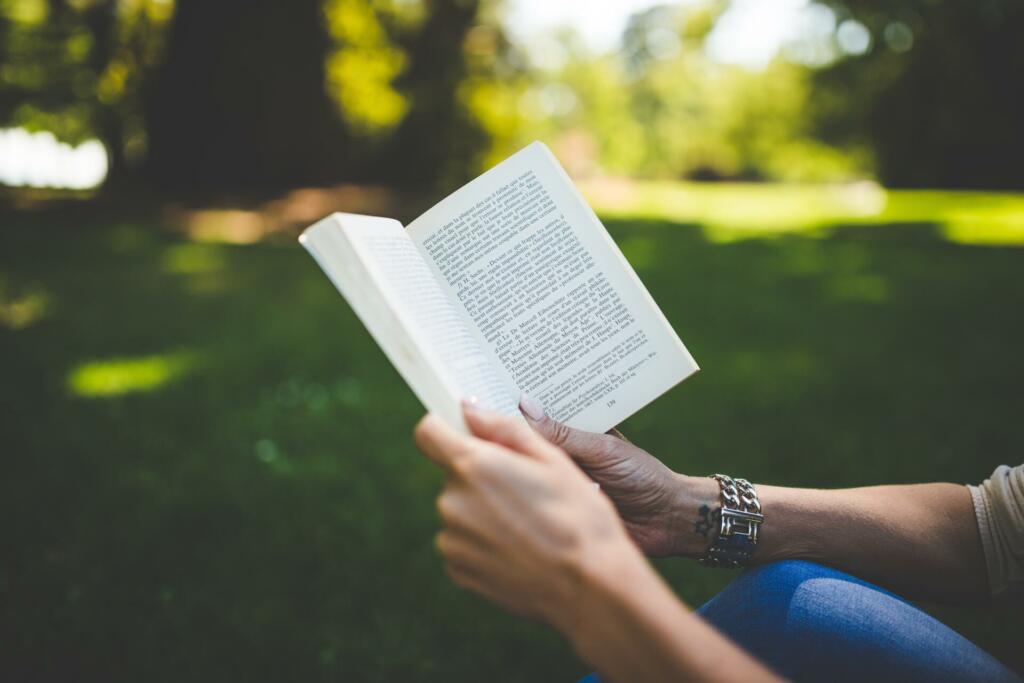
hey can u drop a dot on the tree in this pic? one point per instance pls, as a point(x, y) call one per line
point(437, 139)
point(939, 96)
point(239, 104)
point(74, 69)
point(245, 98)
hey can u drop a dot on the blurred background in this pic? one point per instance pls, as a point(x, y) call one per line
point(207, 472)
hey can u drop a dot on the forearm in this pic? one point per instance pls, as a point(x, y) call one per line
point(631, 627)
point(920, 540)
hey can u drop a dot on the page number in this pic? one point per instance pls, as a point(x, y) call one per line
point(611, 403)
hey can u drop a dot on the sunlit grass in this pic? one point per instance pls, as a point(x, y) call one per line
point(732, 211)
point(117, 376)
point(233, 226)
point(193, 259)
point(19, 312)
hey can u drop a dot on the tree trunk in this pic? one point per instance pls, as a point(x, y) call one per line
point(437, 140)
point(239, 106)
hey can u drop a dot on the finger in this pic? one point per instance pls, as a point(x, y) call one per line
point(467, 550)
point(586, 448)
point(439, 442)
point(506, 431)
point(458, 514)
point(477, 580)
point(462, 563)
point(469, 579)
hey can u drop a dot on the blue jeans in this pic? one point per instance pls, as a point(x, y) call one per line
point(812, 623)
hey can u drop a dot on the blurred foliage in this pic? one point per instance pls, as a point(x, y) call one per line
point(362, 69)
point(662, 108)
point(249, 97)
point(77, 68)
point(916, 93)
point(938, 93)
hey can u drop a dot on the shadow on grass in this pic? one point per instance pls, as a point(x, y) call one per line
point(240, 500)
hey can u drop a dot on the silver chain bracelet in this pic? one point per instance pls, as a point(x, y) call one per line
point(739, 522)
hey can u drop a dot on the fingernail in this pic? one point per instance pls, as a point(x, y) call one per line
point(471, 403)
point(531, 407)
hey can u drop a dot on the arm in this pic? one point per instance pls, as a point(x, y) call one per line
point(919, 540)
point(525, 528)
point(633, 628)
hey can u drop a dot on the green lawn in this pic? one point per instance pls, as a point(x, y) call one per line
point(208, 475)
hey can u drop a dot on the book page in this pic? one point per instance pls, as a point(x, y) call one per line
point(550, 295)
point(380, 272)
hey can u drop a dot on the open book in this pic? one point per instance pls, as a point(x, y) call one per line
point(511, 285)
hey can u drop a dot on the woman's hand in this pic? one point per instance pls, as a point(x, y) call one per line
point(524, 526)
point(665, 513)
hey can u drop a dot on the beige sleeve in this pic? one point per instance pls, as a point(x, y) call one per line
point(999, 509)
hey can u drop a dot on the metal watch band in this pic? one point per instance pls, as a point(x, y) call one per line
point(740, 520)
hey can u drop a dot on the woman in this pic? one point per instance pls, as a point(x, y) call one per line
point(526, 528)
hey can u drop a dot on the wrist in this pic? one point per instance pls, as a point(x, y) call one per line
point(611, 589)
point(693, 524)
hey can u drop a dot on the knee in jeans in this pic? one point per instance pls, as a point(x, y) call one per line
point(785, 575)
point(811, 601)
point(760, 598)
point(774, 584)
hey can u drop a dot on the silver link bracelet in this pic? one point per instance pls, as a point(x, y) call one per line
point(739, 524)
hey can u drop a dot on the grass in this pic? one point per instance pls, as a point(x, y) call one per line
point(207, 471)
point(734, 211)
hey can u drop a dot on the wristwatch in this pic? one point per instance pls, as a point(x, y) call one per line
point(738, 524)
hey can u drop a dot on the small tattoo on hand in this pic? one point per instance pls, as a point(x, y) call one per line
point(707, 519)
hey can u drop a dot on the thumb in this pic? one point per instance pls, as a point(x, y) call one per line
point(588, 449)
point(506, 431)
